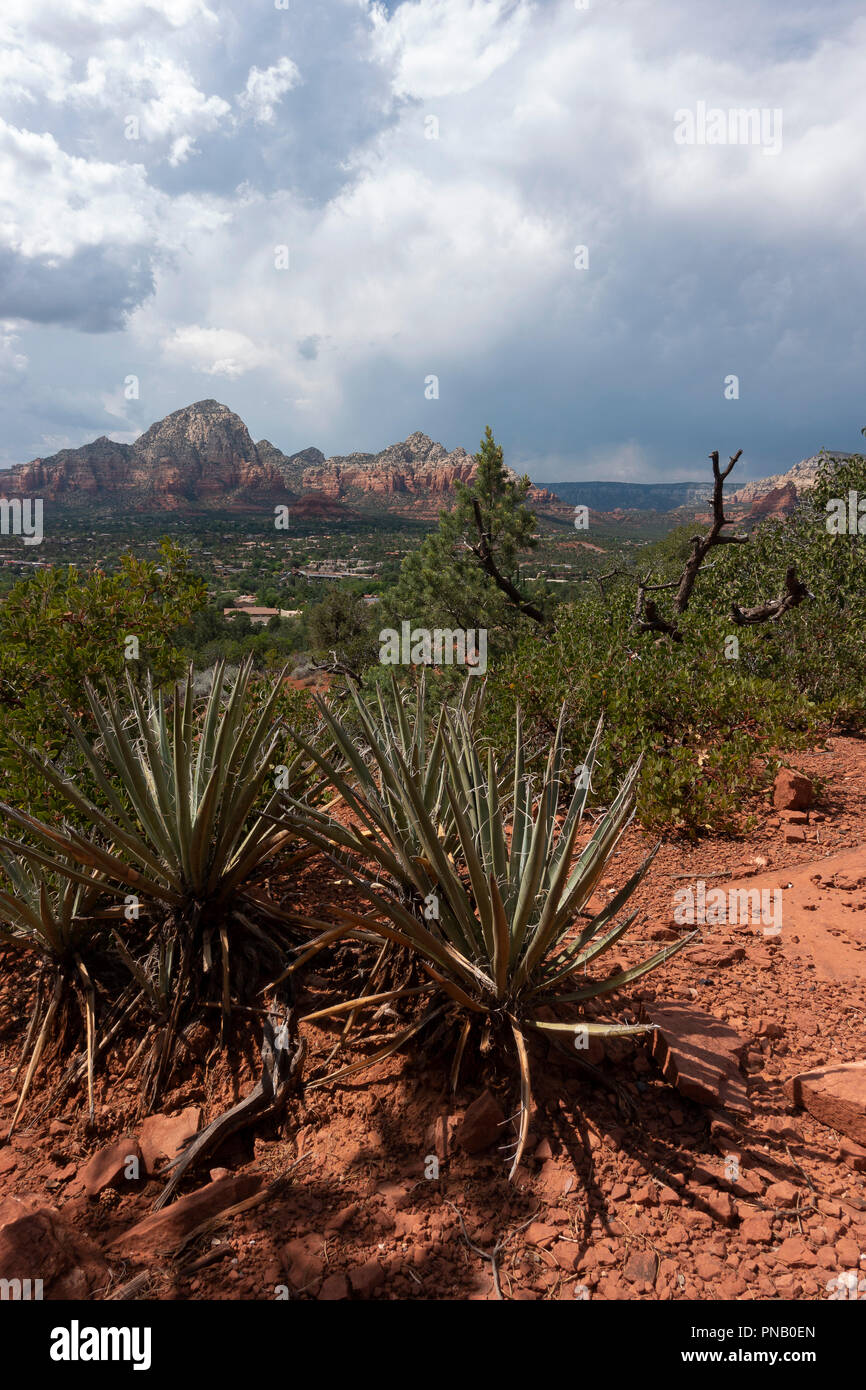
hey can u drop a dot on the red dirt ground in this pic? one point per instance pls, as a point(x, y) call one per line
point(625, 1191)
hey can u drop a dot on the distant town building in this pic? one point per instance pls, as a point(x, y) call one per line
point(260, 615)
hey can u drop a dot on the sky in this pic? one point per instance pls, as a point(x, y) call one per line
point(351, 220)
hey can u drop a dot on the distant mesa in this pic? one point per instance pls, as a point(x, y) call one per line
point(199, 457)
point(203, 458)
point(416, 477)
point(778, 502)
point(802, 477)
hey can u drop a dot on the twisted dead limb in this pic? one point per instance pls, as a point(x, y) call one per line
point(774, 608)
point(282, 1067)
point(647, 615)
point(492, 1256)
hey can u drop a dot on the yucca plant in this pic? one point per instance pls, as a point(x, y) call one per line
point(179, 825)
point(369, 749)
point(57, 920)
point(368, 766)
point(500, 867)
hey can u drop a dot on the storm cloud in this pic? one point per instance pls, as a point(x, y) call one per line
point(309, 211)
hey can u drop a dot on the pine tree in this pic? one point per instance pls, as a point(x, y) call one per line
point(467, 573)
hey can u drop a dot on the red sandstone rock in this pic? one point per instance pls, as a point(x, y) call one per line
point(202, 454)
point(757, 1229)
point(854, 1155)
point(163, 1137)
point(792, 791)
point(835, 1095)
point(640, 1267)
point(481, 1125)
point(795, 1253)
point(699, 1055)
point(365, 1278)
point(305, 1260)
point(335, 1287)
point(109, 1167)
point(37, 1243)
point(163, 1231)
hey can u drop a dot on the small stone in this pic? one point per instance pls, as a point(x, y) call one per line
point(539, 1233)
point(163, 1137)
point(854, 1155)
point(334, 1288)
point(708, 1267)
point(640, 1267)
point(782, 1194)
point(848, 1252)
point(482, 1124)
point(792, 791)
point(699, 1054)
point(721, 1206)
point(795, 1253)
point(365, 1278)
point(757, 1229)
point(109, 1167)
point(835, 1095)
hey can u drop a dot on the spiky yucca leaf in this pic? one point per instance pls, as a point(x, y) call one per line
point(500, 867)
point(56, 918)
point(369, 768)
point(176, 819)
point(49, 914)
point(178, 823)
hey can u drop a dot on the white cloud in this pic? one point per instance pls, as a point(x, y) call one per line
point(104, 14)
point(213, 351)
point(13, 364)
point(38, 69)
point(77, 202)
point(454, 255)
point(265, 87)
point(439, 47)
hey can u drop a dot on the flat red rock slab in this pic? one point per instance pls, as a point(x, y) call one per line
point(37, 1242)
point(699, 1055)
point(834, 1095)
point(163, 1231)
point(163, 1137)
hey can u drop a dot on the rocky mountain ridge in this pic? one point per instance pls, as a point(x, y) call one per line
point(801, 477)
point(200, 456)
point(203, 457)
point(416, 475)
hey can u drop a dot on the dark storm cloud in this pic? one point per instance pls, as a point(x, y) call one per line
point(93, 290)
point(426, 171)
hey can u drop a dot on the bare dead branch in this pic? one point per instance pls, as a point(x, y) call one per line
point(771, 611)
point(701, 545)
point(648, 618)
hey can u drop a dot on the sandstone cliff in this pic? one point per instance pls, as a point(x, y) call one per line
point(203, 457)
point(199, 457)
point(801, 477)
point(417, 476)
